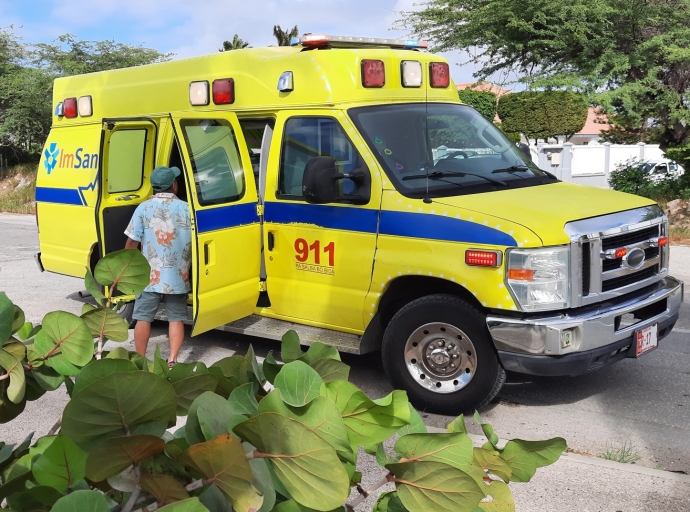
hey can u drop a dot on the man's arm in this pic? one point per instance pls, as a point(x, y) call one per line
point(131, 244)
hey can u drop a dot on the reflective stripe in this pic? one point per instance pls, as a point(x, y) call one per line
point(58, 195)
point(225, 217)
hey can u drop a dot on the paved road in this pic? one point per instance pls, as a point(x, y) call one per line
point(644, 402)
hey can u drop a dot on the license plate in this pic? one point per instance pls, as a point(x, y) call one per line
point(646, 339)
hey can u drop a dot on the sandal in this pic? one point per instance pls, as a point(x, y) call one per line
point(171, 364)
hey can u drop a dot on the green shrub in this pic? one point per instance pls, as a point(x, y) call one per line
point(630, 177)
point(482, 101)
point(292, 448)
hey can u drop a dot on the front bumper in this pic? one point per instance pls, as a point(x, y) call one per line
point(599, 334)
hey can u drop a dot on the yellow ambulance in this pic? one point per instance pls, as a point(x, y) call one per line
point(339, 188)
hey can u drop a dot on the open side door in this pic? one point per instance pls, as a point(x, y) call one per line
point(128, 149)
point(226, 232)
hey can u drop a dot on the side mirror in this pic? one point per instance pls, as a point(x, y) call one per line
point(524, 148)
point(320, 183)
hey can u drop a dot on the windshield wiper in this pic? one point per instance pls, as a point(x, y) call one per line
point(512, 169)
point(444, 174)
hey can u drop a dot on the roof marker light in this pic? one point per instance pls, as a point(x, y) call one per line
point(411, 73)
point(60, 109)
point(440, 74)
point(70, 105)
point(85, 106)
point(373, 73)
point(198, 93)
point(223, 91)
point(286, 82)
point(324, 41)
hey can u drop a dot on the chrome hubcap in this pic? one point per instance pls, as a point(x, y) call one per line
point(440, 357)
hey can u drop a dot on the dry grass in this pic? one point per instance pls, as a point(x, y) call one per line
point(679, 236)
point(15, 198)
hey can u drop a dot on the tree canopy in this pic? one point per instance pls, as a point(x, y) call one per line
point(284, 37)
point(237, 43)
point(27, 72)
point(631, 56)
point(483, 101)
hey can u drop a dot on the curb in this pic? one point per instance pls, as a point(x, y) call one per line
point(592, 461)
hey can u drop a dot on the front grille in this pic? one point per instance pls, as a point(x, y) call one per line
point(614, 242)
point(586, 268)
point(607, 265)
point(619, 282)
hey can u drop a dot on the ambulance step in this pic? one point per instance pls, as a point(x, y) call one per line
point(274, 329)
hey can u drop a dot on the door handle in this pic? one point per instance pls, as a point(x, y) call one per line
point(271, 241)
point(207, 257)
point(127, 197)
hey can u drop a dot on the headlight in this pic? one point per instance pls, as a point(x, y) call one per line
point(539, 278)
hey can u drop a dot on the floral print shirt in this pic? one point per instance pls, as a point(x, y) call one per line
point(163, 227)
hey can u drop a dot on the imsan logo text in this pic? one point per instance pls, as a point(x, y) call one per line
point(77, 160)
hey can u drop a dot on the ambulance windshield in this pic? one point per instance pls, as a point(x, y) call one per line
point(442, 149)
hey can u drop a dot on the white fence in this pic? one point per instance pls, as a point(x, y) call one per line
point(590, 164)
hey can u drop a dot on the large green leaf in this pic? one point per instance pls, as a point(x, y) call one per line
point(243, 401)
point(189, 388)
point(18, 319)
point(13, 366)
point(61, 465)
point(368, 421)
point(97, 369)
point(16, 348)
point(126, 270)
point(214, 500)
point(190, 505)
point(24, 332)
point(222, 462)
point(6, 318)
point(115, 455)
point(318, 351)
point(262, 480)
point(290, 347)
point(270, 368)
point(164, 488)
point(235, 369)
point(498, 498)
point(47, 378)
point(490, 461)
point(82, 501)
point(524, 457)
point(452, 449)
point(93, 288)
point(458, 425)
point(389, 502)
point(416, 425)
point(304, 463)
point(255, 366)
point(298, 383)
point(331, 370)
point(293, 506)
point(67, 335)
point(118, 404)
point(208, 417)
point(321, 416)
point(39, 498)
point(426, 486)
point(8, 409)
point(105, 322)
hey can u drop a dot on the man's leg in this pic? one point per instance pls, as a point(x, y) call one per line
point(176, 310)
point(145, 307)
point(142, 332)
point(176, 335)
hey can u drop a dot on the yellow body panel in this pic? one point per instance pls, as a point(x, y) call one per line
point(325, 265)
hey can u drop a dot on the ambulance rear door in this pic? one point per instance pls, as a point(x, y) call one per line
point(226, 241)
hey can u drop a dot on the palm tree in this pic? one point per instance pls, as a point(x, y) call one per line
point(283, 37)
point(235, 44)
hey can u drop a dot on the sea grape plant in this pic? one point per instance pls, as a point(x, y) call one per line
point(259, 436)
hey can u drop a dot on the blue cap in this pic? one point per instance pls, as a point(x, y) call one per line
point(163, 177)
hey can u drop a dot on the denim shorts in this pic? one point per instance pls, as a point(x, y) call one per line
point(146, 305)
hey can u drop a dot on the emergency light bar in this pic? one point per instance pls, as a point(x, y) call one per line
point(326, 41)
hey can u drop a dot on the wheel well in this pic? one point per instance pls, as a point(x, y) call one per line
point(94, 256)
point(405, 289)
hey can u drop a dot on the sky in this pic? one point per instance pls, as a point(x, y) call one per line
point(196, 27)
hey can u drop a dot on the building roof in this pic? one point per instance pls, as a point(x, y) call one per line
point(596, 123)
point(483, 86)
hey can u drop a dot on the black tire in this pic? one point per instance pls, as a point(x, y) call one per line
point(428, 336)
point(125, 311)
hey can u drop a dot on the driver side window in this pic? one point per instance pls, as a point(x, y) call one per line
point(305, 138)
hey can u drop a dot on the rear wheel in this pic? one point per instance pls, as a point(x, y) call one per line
point(437, 348)
point(126, 310)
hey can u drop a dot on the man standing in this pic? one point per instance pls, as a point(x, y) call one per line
point(162, 225)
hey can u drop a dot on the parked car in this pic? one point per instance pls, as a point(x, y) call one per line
point(662, 170)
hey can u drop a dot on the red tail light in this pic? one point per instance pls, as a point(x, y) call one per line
point(70, 107)
point(223, 91)
point(440, 74)
point(373, 73)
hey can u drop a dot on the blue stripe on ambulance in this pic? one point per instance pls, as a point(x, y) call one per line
point(411, 225)
point(59, 195)
point(225, 217)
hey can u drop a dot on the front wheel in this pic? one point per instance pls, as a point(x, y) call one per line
point(438, 350)
point(126, 310)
